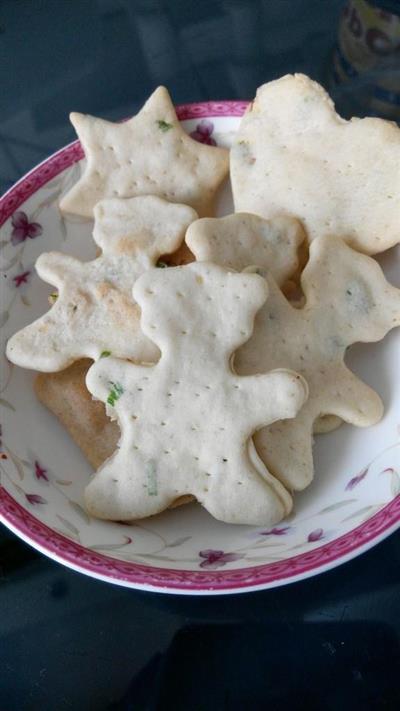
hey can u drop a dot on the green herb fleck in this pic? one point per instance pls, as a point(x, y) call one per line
point(105, 354)
point(53, 297)
point(161, 265)
point(151, 475)
point(164, 126)
point(115, 393)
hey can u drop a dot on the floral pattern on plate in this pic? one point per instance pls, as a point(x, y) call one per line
point(353, 502)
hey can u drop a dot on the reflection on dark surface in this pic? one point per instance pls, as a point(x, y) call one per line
point(86, 644)
point(69, 642)
point(302, 667)
point(105, 57)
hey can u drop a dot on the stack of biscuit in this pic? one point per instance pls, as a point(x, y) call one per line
point(208, 378)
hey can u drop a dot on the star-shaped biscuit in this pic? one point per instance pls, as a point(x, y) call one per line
point(186, 422)
point(294, 155)
point(148, 155)
point(94, 312)
point(348, 300)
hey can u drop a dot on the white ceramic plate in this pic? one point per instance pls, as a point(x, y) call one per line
point(353, 503)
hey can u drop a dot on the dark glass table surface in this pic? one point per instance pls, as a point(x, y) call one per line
point(70, 642)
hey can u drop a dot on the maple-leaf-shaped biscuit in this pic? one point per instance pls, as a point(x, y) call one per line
point(186, 422)
point(294, 155)
point(234, 240)
point(347, 300)
point(148, 155)
point(95, 311)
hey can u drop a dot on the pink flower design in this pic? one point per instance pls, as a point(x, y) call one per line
point(21, 278)
point(23, 229)
point(216, 559)
point(315, 535)
point(40, 473)
point(356, 480)
point(35, 499)
point(276, 531)
point(203, 132)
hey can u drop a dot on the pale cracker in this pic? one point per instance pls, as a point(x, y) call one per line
point(326, 423)
point(94, 311)
point(347, 300)
point(65, 394)
point(234, 240)
point(187, 422)
point(148, 155)
point(294, 155)
point(241, 240)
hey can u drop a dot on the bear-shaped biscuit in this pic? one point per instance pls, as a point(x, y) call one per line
point(348, 300)
point(186, 422)
point(94, 311)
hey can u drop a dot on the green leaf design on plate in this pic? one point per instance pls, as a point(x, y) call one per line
point(338, 505)
point(4, 316)
point(64, 533)
point(45, 203)
point(115, 393)
point(152, 556)
point(394, 484)
point(14, 260)
point(17, 463)
point(178, 542)
point(359, 512)
point(105, 354)
point(107, 547)
point(7, 404)
point(68, 525)
point(164, 126)
point(79, 510)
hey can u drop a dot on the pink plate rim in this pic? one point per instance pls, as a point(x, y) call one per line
point(100, 566)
